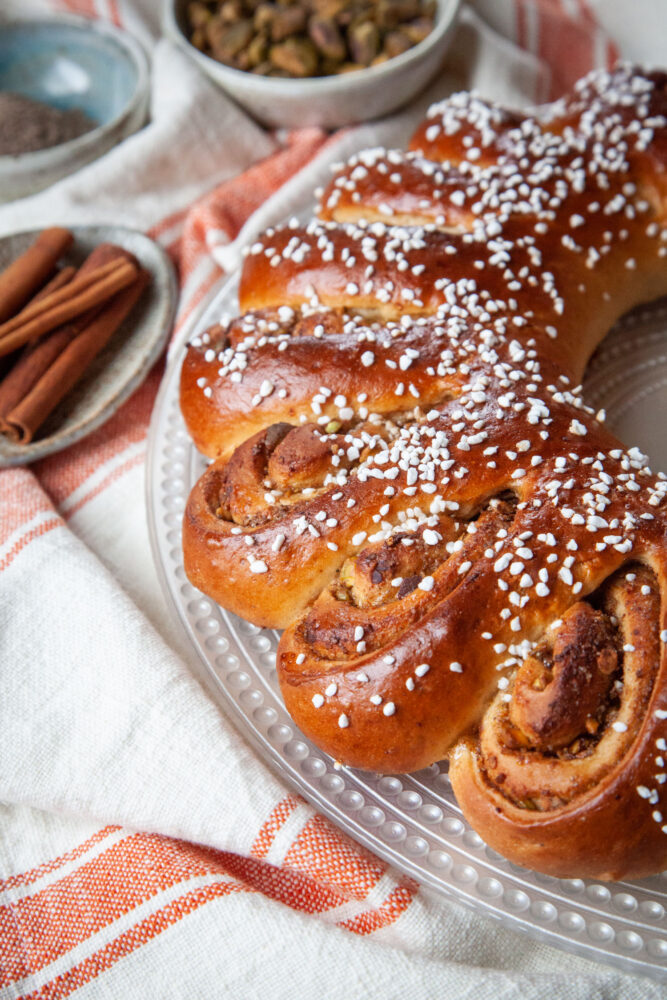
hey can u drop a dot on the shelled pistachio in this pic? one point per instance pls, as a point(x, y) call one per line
point(306, 38)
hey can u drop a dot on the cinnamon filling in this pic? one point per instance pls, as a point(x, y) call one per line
point(391, 569)
point(357, 608)
point(284, 465)
point(557, 694)
point(576, 703)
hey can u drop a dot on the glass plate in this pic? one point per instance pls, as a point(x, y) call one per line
point(412, 820)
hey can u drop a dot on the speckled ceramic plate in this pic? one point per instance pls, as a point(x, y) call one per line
point(413, 820)
point(125, 361)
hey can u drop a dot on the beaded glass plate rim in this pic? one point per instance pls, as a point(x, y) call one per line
point(411, 821)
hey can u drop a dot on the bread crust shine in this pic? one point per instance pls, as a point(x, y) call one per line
point(405, 478)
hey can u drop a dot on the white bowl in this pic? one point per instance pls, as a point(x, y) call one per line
point(71, 61)
point(327, 101)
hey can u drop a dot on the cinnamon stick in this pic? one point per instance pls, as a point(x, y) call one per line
point(27, 273)
point(27, 416)
point(37, 358)
point(58, 281)
point(81, 294)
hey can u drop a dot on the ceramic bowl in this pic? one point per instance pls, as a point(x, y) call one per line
point(125, 361)
point(71, 62)
point(329, 101)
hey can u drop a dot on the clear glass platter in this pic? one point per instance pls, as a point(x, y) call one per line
point(413, 820)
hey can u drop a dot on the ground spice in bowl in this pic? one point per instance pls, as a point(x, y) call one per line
point(27, 125)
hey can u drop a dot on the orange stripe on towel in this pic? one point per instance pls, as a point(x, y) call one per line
point(8, 559)
point(103, 889)
point(268, 831)
point(25, 878)
point(389, 911)
point(130, 940)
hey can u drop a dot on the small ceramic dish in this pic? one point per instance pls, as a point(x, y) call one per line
point(71, 62)
point(327, 101)
point(126, 360)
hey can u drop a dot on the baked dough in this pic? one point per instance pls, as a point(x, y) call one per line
point(465, 561)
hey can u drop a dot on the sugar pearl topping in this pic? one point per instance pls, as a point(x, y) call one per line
point(425, 338)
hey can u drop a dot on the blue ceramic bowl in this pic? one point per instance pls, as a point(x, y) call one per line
point(70, 62)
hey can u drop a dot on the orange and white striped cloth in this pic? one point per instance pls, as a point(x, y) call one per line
point(145, 850)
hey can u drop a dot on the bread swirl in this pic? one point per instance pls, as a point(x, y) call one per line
point(465, 561)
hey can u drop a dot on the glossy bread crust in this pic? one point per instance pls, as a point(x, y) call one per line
point(405, 478)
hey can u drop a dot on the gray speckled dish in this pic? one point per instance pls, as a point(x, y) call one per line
point(126, 360)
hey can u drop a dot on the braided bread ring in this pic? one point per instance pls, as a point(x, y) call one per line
point(405, 478)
